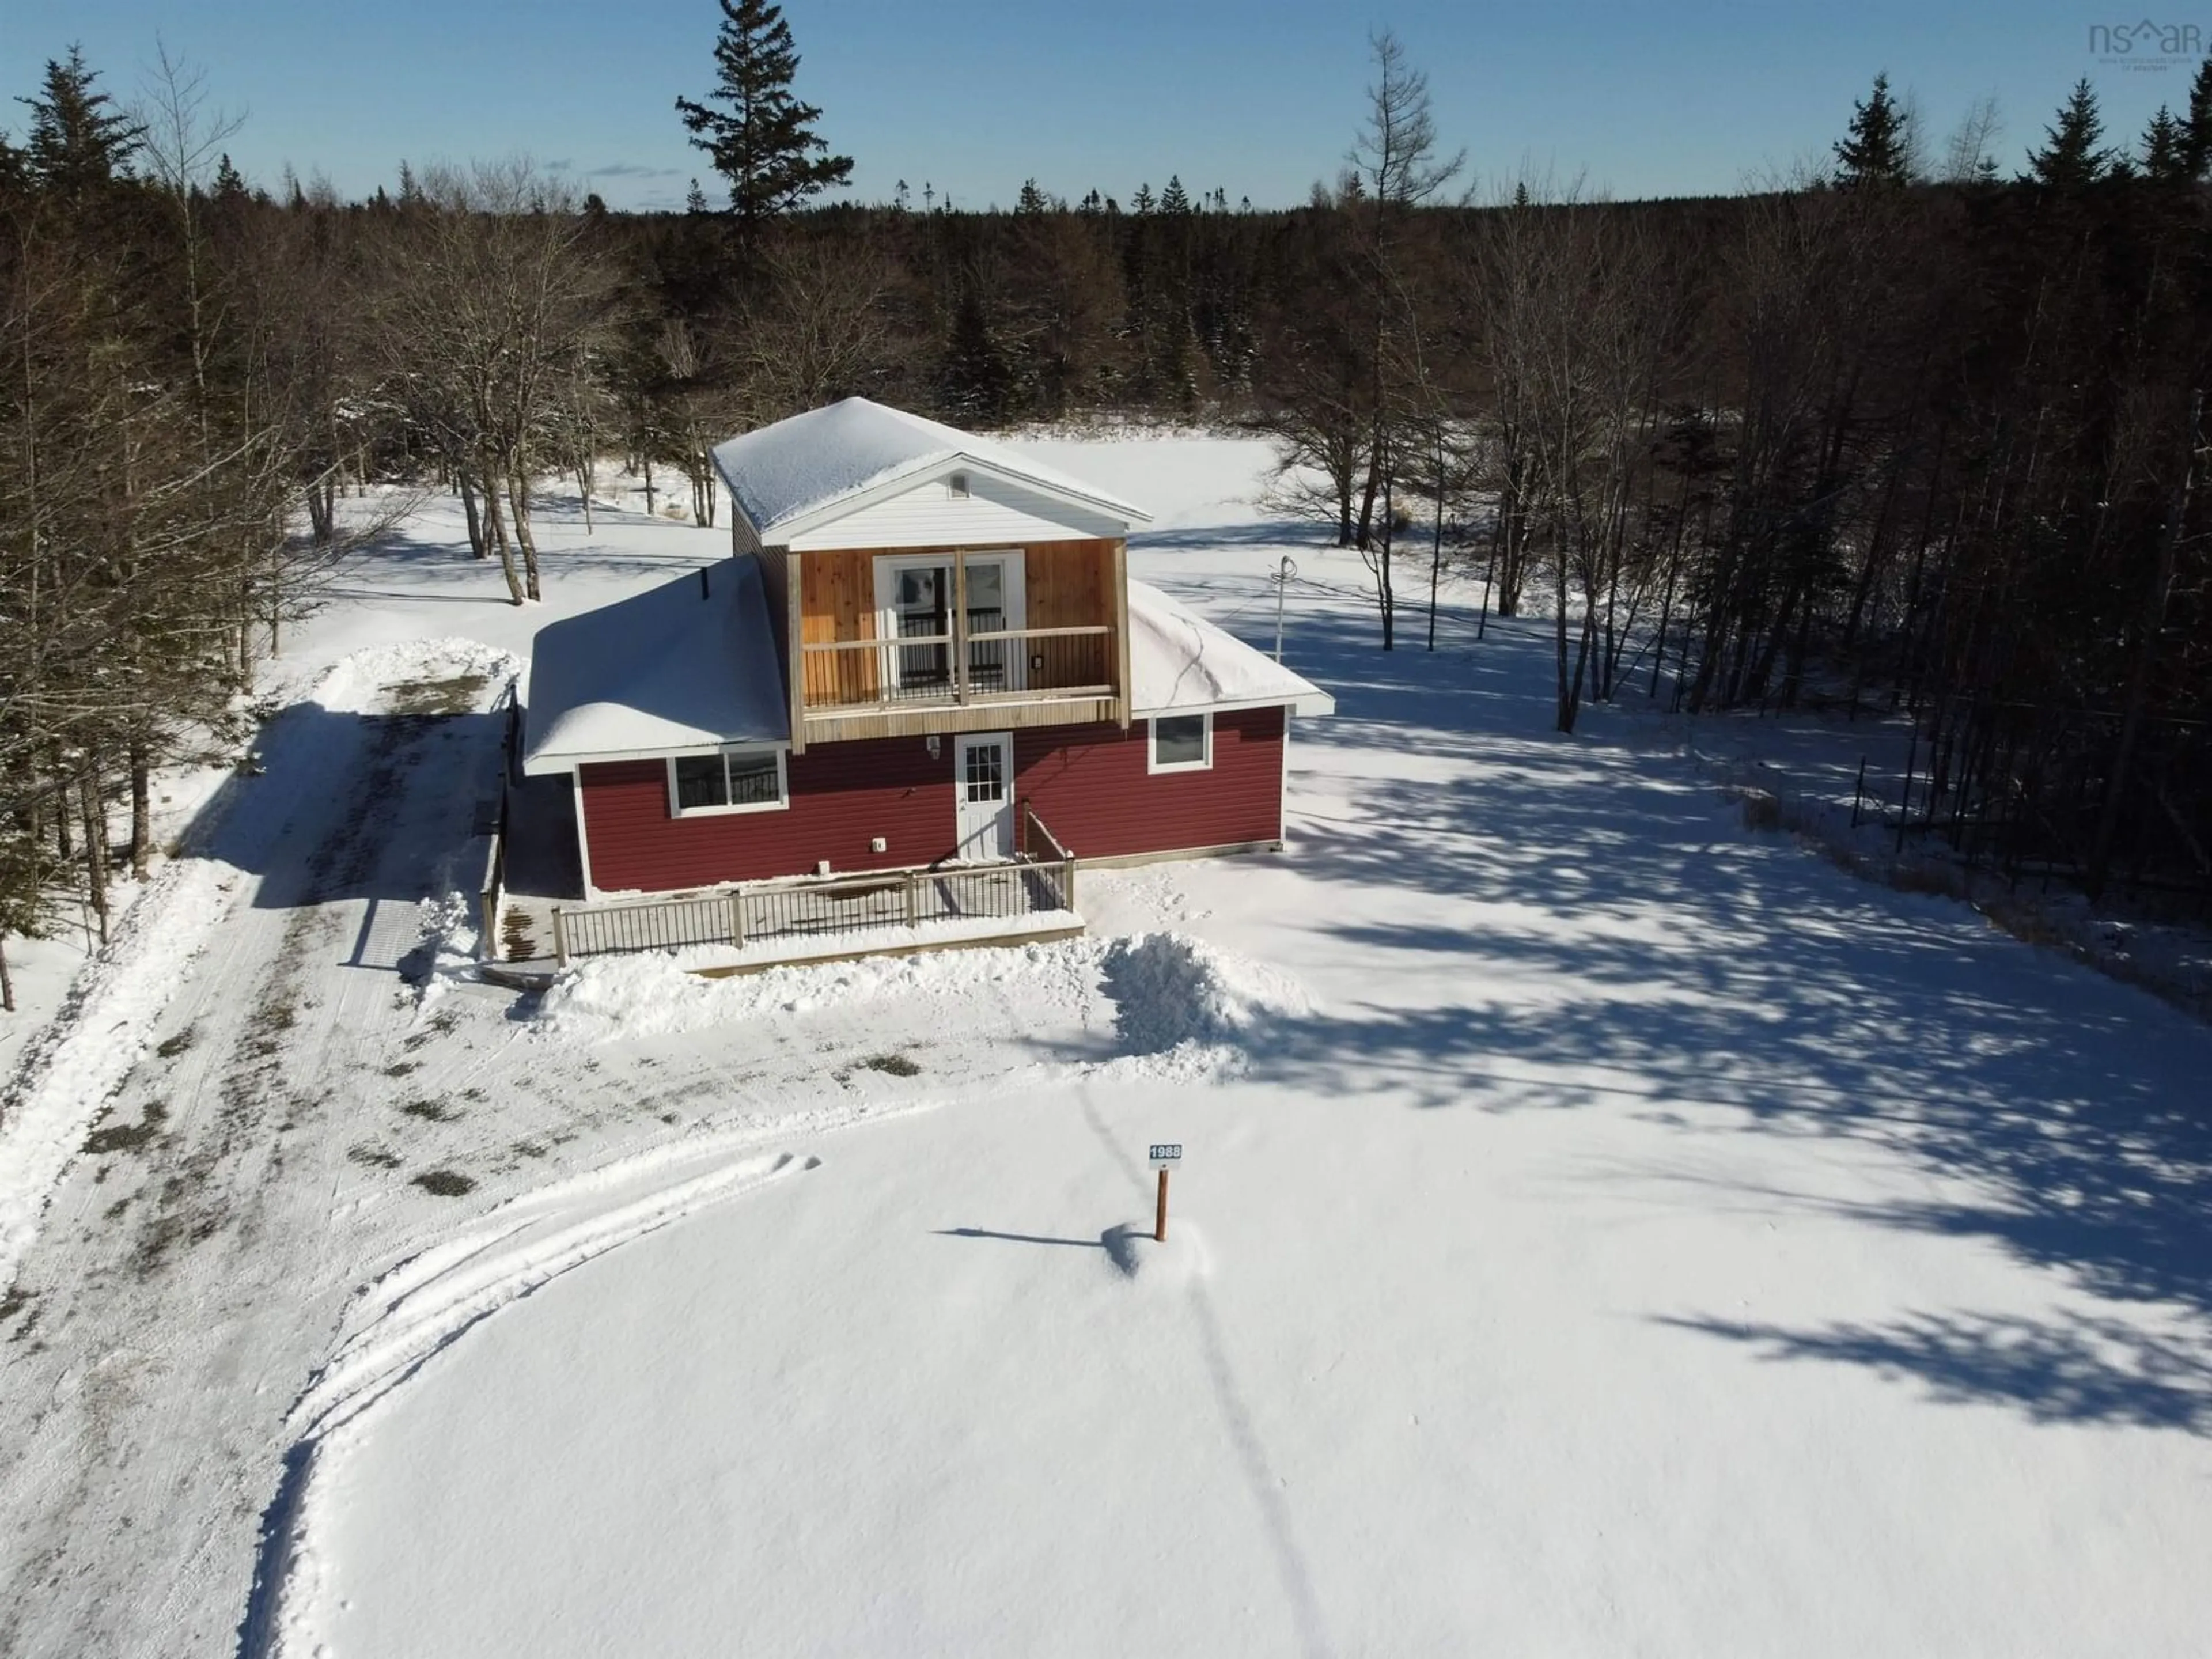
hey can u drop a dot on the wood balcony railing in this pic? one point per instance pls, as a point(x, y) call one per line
point(962, 667)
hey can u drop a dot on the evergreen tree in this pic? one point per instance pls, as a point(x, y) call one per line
point(1032, 200)
point(1877, 150)
point(2197, 142)
point(1172, 199)
point(760, 138)
point(2165, 150)
point(229, 185)
point(695, 200)
point(14, 171)
point(1141, 203)
point(974, 383)
point(2071, 158)
point(79, 141)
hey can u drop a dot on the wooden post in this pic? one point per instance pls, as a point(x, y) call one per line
point(959, 625)
point(1160, 1220)
point(913, 900)
point(738, 917)
point(559, 938)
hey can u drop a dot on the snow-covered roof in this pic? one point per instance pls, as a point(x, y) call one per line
point(665, 671)
point(813, 468)
point(1179, 662)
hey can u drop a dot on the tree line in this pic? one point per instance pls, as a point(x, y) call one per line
point(1897, 426)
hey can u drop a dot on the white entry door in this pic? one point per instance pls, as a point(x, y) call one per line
point(983, 794)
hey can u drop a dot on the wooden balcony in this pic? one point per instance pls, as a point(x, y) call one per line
point(957, 666)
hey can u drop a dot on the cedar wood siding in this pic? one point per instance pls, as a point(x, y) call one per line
point(1088, 783)
point(1066, 584)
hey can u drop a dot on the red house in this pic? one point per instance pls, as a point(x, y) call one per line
point(918, 629)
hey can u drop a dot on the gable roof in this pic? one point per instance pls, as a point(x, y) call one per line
point(813, 469)
point(1180, 663)
point(662, 671)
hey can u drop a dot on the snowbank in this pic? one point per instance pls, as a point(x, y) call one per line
point(83, 1055)
point(363, 680)
point(1169, 994)
point(1172, 990)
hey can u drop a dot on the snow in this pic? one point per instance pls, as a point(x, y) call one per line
point(1181, 663)
point(794, 474)
point(1173, 995)
point(668, 670)
point(81, 1059)
point(1604, 1227)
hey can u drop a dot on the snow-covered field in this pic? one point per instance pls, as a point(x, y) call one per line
point(1605, 1229)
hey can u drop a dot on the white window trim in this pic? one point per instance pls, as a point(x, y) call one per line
point(780, 804)
point(1013, 584)
point(1152, 762)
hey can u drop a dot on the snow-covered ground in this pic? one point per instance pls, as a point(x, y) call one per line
point(1605, 1228)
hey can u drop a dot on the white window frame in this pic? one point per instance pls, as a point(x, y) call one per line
point(1152, 762)
point(780, 804)
point(1013, 563)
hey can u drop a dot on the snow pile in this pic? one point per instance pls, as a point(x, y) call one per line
point(87, 1051)
point(658, 994)
point(451, 943)
point(1173, 993)
point(361, 682)
point(1169, 995)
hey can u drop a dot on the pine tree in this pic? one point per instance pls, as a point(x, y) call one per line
point(1141, 203)
point(2165, 150)
point(79, 141)
point(974, 381)
point(1878, 150)
point(1173, 202)
point(1032, 200)
point(695, 200)
point(761, 138)
point(2198, 145)
point(229, 183)
point(2070, 159)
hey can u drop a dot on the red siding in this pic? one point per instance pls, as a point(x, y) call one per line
point(1089, 784)
point(842, 795)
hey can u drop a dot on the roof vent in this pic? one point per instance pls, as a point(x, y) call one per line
point(957, 486)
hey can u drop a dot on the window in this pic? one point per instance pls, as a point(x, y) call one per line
point(734, 781)
point(1182, 743)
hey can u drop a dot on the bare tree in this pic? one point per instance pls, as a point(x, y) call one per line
point(1397, 166)
point(497, 290)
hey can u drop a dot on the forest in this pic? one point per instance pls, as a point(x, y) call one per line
point(1902, 431)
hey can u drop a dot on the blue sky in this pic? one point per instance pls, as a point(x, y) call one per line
point(973, 96)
